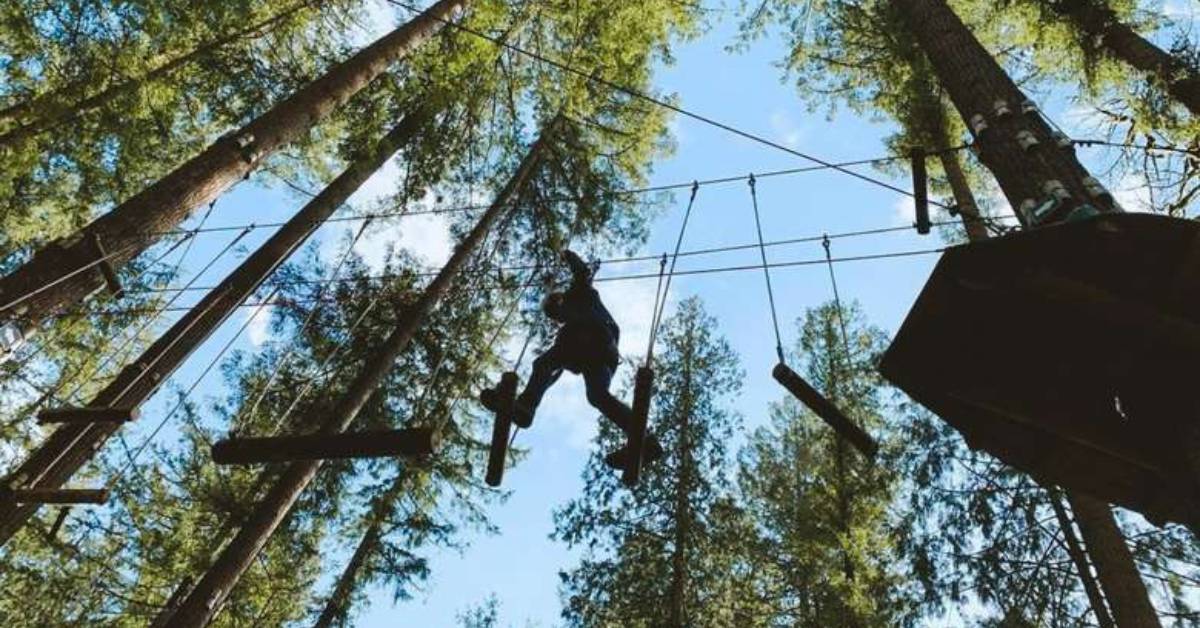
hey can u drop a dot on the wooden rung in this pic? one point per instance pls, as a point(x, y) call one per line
point(643, 389)
point(88, 415)
point(56, 495)
point(920, 191)
point(501, 428)
point(417, 441)
point(111, 281)
point(825, 409)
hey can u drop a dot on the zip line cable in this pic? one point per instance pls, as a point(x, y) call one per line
point(837, 299)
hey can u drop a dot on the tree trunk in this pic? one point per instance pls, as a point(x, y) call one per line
point(683, 506)
point(212, 589)
point(52, 279)
point(1123, 586)
point(42, 113)
point(71, 446)
point(964, 198)
point(975, 83)
point(1075, 550)
point(339, 600)
point(1097, 22)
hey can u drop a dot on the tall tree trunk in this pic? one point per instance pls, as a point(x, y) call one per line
point(338, 603)
point(964, 198)
point(975, 82)
point(45, 112)
point(683, 505)
point(1082, 566)
point(1123, 586)
point(71, 446)
point(1096, 21)
point(53, 278)
point(212, 589)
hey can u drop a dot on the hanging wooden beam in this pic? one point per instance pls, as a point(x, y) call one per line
point(920, 190)
point(501, 428)
point(643, 390)
point(111, 281)
point(825, 409)
point(415, 441)
point(55, 495)
point(88, 415)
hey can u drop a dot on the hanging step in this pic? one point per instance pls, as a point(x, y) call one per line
point(55, 495)
point(501, 428)
point(111, 281)
point(643, 390)
point(409, 442)
point(1069, 352)
point(88, 415)
point(825, 409)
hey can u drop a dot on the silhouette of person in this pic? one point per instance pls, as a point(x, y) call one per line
point(586, 345)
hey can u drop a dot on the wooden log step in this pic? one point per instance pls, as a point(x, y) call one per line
point(643, 390)
point(417, 441)
point(825, 409)
point(501, 428)
point(111, 281)
point(55, 495)
point(88, 415)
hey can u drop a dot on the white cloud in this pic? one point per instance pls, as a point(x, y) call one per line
point(258, 324)
point(904, 211)
point(785, 129)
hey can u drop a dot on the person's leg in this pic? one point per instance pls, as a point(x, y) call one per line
point(547, 368)
point(597, 379)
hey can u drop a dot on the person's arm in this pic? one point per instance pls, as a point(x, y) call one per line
point(581, 272)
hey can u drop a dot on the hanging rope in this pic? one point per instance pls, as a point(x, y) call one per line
point(762, 250)
point(660, 296)
point(837, 299)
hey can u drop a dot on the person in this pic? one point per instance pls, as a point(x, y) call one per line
point(586, 345)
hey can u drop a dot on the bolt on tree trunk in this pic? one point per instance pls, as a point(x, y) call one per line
point(1119, 575)
point(1096, 21)
point(134, 225)
point(213, 588)
point(70, 447)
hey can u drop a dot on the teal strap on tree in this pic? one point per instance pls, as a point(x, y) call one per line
point(660, 296)
point(762, 250)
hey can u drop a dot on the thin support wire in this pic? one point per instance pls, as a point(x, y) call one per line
point(661, 305)
point(762, 250)
point(837, 299)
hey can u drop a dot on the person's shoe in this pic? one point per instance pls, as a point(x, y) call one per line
point(522, 415)
point(490, 399)
point(619, 459)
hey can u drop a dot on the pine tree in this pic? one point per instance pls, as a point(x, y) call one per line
point(821, 516)
point(651, 557)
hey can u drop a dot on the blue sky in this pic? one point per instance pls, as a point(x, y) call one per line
point(520, 565)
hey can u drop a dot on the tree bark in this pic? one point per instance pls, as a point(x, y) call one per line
point(683, 506)
point(964, 198)
point(53, 278)
point(975, 82)
point(1082, 566)
point(1096, 21)
point(70, 447)
point(45, 112)
point(210, 592)
point(1119, 576)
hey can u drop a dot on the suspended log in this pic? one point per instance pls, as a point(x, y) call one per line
point(825, 409)
point(501, 428)
point(88, 415)
point(111, 281)
point(920, 191)
point(643, 390)
point(1068, 352)
point(408, 442)
point(55, 495)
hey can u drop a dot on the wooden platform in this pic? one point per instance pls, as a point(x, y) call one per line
point(1069, 352)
